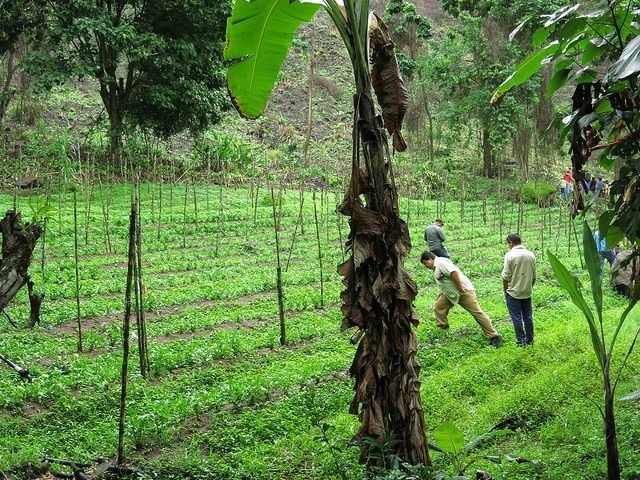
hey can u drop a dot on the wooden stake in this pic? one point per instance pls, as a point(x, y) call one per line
point(75, 243)
point(315, 214)
point(125, 332)
point(276, 223)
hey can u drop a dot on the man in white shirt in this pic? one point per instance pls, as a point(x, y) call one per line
point(456, 288)
point(518, 276)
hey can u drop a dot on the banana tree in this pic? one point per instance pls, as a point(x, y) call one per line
point(378, 290)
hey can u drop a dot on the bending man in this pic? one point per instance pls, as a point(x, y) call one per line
point(456, 288)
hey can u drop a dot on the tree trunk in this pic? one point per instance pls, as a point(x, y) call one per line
point(377, 299)
point(18, 243)
point(427, 111)
point(487, 154)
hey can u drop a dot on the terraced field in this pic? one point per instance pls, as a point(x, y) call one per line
point(224, 400)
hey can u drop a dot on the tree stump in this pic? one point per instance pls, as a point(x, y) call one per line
point(18, 242)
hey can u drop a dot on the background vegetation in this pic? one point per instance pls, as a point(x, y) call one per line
point(224, 399)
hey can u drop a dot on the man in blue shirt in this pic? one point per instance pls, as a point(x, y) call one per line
point(603, 251)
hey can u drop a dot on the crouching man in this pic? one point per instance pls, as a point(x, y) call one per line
point(456, 288)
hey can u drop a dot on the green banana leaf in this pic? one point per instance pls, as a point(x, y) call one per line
point(525, 70)
point(259, 34)
point(592, 259)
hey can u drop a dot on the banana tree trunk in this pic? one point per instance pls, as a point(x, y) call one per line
point(377, 299)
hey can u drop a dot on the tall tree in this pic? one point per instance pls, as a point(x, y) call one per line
point(19, 23)
point(157, 62)
point(466, 62)
point(379, 291)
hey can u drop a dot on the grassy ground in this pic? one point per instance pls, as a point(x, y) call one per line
point(224, 400)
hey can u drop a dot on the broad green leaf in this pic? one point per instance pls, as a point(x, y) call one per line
point(627, 65)
point(614, 236)
point(592, 259)
point(587, 120)
point(584, 75)
point(523, 72)
point(540, 36)
point(557, 81)
point(604, 222)
point(606, 160)
point(560, 14)
point(572, 286)
point(259, 34)
point(449, 438)
point(603, 106)
point(594, 14)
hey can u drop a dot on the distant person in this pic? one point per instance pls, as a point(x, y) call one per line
point(568, 177)
point(605, 253)
point(518, 277)
point(435, 238)
point(600, 187)
point(456, 288)
point(563, 189)
point(592, 185)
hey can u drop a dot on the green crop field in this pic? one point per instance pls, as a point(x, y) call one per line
point(224, 400)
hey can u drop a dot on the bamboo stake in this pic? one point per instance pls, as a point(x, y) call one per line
point(295, 231)
point(184, 215)
point(159, 210)
point(315, 214)
point(339, 222)
point(125, 332)
point(220, 229)
point(276, 223)
point(195, 205)
point(105, 216)
point(75, 243)
point(140, 298)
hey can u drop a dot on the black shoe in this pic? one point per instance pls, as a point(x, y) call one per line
point(521, 344)
point(496, 341)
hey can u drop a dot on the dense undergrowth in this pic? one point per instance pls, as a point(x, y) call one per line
point(225, 400)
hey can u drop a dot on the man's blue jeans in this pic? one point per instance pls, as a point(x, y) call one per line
point(522, 318)
point(609, 256)
point(441, 252)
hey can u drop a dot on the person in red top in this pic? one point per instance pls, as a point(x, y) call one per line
point(567, 176)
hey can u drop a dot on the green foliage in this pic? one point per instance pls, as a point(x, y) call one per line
point(603, 114)
point(219, 151)
point(154, 69)
point(449, 440)
point(538, 192)
point(259, 35)
point(466, 44)
point(603, 352)
point(183, 86)
point(43, 211)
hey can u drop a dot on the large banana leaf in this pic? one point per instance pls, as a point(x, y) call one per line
point(259, 33)
point(525, 70)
